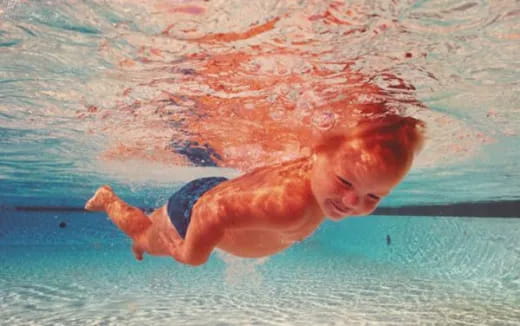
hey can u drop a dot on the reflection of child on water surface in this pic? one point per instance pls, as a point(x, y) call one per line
point(268, 209)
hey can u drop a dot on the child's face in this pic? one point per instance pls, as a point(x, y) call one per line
point(352, 182)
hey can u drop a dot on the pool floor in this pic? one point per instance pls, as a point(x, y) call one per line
point(106, 286)
point(76, 269)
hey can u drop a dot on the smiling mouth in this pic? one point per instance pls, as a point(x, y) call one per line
point(340, 209)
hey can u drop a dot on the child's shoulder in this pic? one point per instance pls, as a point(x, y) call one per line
point(276, 196)
point(279, 188)
point(291, 174)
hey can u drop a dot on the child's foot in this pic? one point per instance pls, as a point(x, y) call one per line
point(100, 199)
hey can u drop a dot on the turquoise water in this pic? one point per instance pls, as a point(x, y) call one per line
point(460, 270)
point(80, 78)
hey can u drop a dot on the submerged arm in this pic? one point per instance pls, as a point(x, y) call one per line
point(204, 233)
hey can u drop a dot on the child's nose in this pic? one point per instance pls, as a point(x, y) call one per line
point(351, 199)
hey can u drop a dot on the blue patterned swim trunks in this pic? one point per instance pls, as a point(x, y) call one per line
point(181, 203)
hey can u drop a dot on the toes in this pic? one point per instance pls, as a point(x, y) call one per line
point(106, 188)
point(97, 202)
point(90, 206)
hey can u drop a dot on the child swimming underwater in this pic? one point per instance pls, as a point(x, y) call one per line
point(270, 208)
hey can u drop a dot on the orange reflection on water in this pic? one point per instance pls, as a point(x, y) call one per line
point(262, 94)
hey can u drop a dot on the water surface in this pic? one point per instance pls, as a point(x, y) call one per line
point(146, 96)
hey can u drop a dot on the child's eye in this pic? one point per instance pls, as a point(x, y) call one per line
point(344, 182)
point(374, 197)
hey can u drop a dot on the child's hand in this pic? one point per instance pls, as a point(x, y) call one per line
point(138, 252)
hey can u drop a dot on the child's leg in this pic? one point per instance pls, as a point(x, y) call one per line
point(131, 220)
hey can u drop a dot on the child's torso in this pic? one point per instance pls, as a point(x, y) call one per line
point(267, 210)
point(259, 243)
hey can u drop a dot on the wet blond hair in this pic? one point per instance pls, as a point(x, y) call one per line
point(392, 138)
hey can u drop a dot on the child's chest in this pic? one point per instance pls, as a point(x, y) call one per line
point(264, 242)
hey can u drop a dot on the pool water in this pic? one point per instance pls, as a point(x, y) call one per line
point(461, 270)
point(146, 96)
point(160, 294)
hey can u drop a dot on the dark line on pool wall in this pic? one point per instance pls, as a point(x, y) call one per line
point(506, 208)
point(48, 209)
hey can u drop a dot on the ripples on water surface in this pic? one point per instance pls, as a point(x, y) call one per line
point(142, 94)
point(90, 83)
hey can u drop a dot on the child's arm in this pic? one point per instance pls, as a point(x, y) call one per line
point(204, 233)
point(276, 200)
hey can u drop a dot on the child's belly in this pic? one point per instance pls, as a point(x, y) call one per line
point(253, 243)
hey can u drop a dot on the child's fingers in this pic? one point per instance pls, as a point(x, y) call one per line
point(138, 253)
